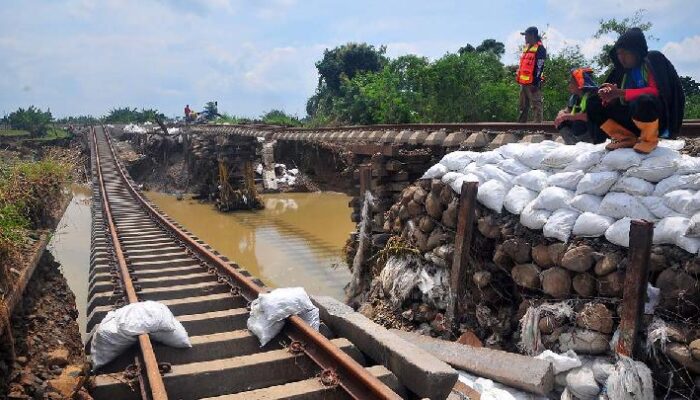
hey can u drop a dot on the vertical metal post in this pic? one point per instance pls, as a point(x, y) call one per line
point(466, 219)
point(636, 279)
point(365, 180)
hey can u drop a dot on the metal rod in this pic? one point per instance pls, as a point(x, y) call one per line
point(636, 279)
point(155, 380)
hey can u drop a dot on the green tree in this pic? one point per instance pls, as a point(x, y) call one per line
point(126, 115)
point(618, 27)
point(279, 117)
point(348, 60)
point(488, 45)
point(33, 120)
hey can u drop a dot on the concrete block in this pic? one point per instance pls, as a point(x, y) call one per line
point(477, 140)
point(418, 137)
point(518, 371)
point(504, 138)
point(436, 138)
point(455, 139)
point(419, 371)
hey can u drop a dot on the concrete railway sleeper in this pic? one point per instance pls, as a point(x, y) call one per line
point(138, 253)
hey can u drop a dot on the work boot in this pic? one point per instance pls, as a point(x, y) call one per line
point(622, 138)
point(649, 137)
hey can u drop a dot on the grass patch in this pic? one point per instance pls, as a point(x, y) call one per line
point(13, 133)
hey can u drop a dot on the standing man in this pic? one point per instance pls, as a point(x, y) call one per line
point(187, 112)
point(529, 75)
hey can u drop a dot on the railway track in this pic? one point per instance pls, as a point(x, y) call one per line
point(138, 253)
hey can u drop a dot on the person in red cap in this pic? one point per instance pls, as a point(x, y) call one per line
point(529, 75)
point(572, 122)
point(187, 112)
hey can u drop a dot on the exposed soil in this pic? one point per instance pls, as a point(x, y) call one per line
point(50, 359)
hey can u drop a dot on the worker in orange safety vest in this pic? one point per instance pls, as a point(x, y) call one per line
point(529, 75)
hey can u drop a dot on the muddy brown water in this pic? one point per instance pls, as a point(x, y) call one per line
point(70, 246)
point(297, 240)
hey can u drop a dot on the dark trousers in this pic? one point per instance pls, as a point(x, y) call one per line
point(645, 108)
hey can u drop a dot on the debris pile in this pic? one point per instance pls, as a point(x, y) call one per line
point(549, 255)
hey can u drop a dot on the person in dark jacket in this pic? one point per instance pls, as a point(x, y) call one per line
point(529, 75)
point(572, 122)
point(642, 96)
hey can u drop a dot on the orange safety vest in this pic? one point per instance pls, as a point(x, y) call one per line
point(526, 71)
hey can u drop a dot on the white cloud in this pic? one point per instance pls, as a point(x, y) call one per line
point(555, 41)
point(685, 55)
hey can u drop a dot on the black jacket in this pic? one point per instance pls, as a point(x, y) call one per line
point(669, 84)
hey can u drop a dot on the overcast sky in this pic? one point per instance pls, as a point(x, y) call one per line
point(87, 56)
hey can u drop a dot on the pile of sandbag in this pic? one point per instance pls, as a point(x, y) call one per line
point(584, 190)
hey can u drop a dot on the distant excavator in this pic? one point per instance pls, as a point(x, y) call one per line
point(210, 113)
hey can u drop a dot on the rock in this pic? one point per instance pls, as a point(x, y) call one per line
point(488, 227)
point(407, 195)
point(501, 259)
point(584, 342)
point(439, 324)
point(481, 279)
point(470, 339)
point(425, 184)
point(414, 209)
point(67, 382)
point(556, 252)
point(449, 217)
point(420, 239)
point(526, 275)
point(695, 349)
point(556, 282)
point(548, 324)
point(424, 313)
point(433, 206)
point(419, 196)
point(611, 285)
point(446, 195)
point(426, 224)
point(578, 259)
point(595, 317)
point(518, 250)
point(436, 187)
point(541, 256)
point(657, 262)
point(692, 266)
point(678, 289)
point(21, 360)
point(585, 285)
point(446, 251)
point(436, 238)
point(677, 333)
point(58, 357)
point(681, 354)
point(367, 310)
point(607, 264)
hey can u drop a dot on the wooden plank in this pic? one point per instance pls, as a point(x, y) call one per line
point(466, 218)
point(636, 280)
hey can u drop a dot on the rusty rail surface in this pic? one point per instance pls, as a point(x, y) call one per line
point(336, 365)
point(155, 380)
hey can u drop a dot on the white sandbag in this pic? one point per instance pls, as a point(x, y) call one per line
point(619, 233)
point(560, 224)
point(493, 172)
point(435, 172)
point(602, 368)
point(457, 160)
point(689, 244)
point(657, 207)
point(488, 157)
point(492, 194)
point(533, 154)
point(653, 299)
point(621, 159)
point(687, 165)
point(553, 198)
point(586, 202)
point(633, 186)
point(669, 229)
point(513, 167)
point(512, 150)
point(582, 384)
point(680, 201)
point(694, 226)
point(473, 169)
point(673, 144)
point(591, 225)
point(270, 310)
point(518, 198)
point(621, 205)
point(120, 329)
point(456, 185)
point(534, 219)
point(654, 169)
point(450, 177)
point(585, 161)
point(534, 180)
point(597, 183)
point(630, 380)
point(566, 180)
point(560, 362)
point(562, 156)
point(677, 182)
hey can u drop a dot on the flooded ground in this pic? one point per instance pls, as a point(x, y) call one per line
point(70, 246)
point(297, 240)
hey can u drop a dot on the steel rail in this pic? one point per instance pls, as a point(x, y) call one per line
point(351, 376)
point(155, 380)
